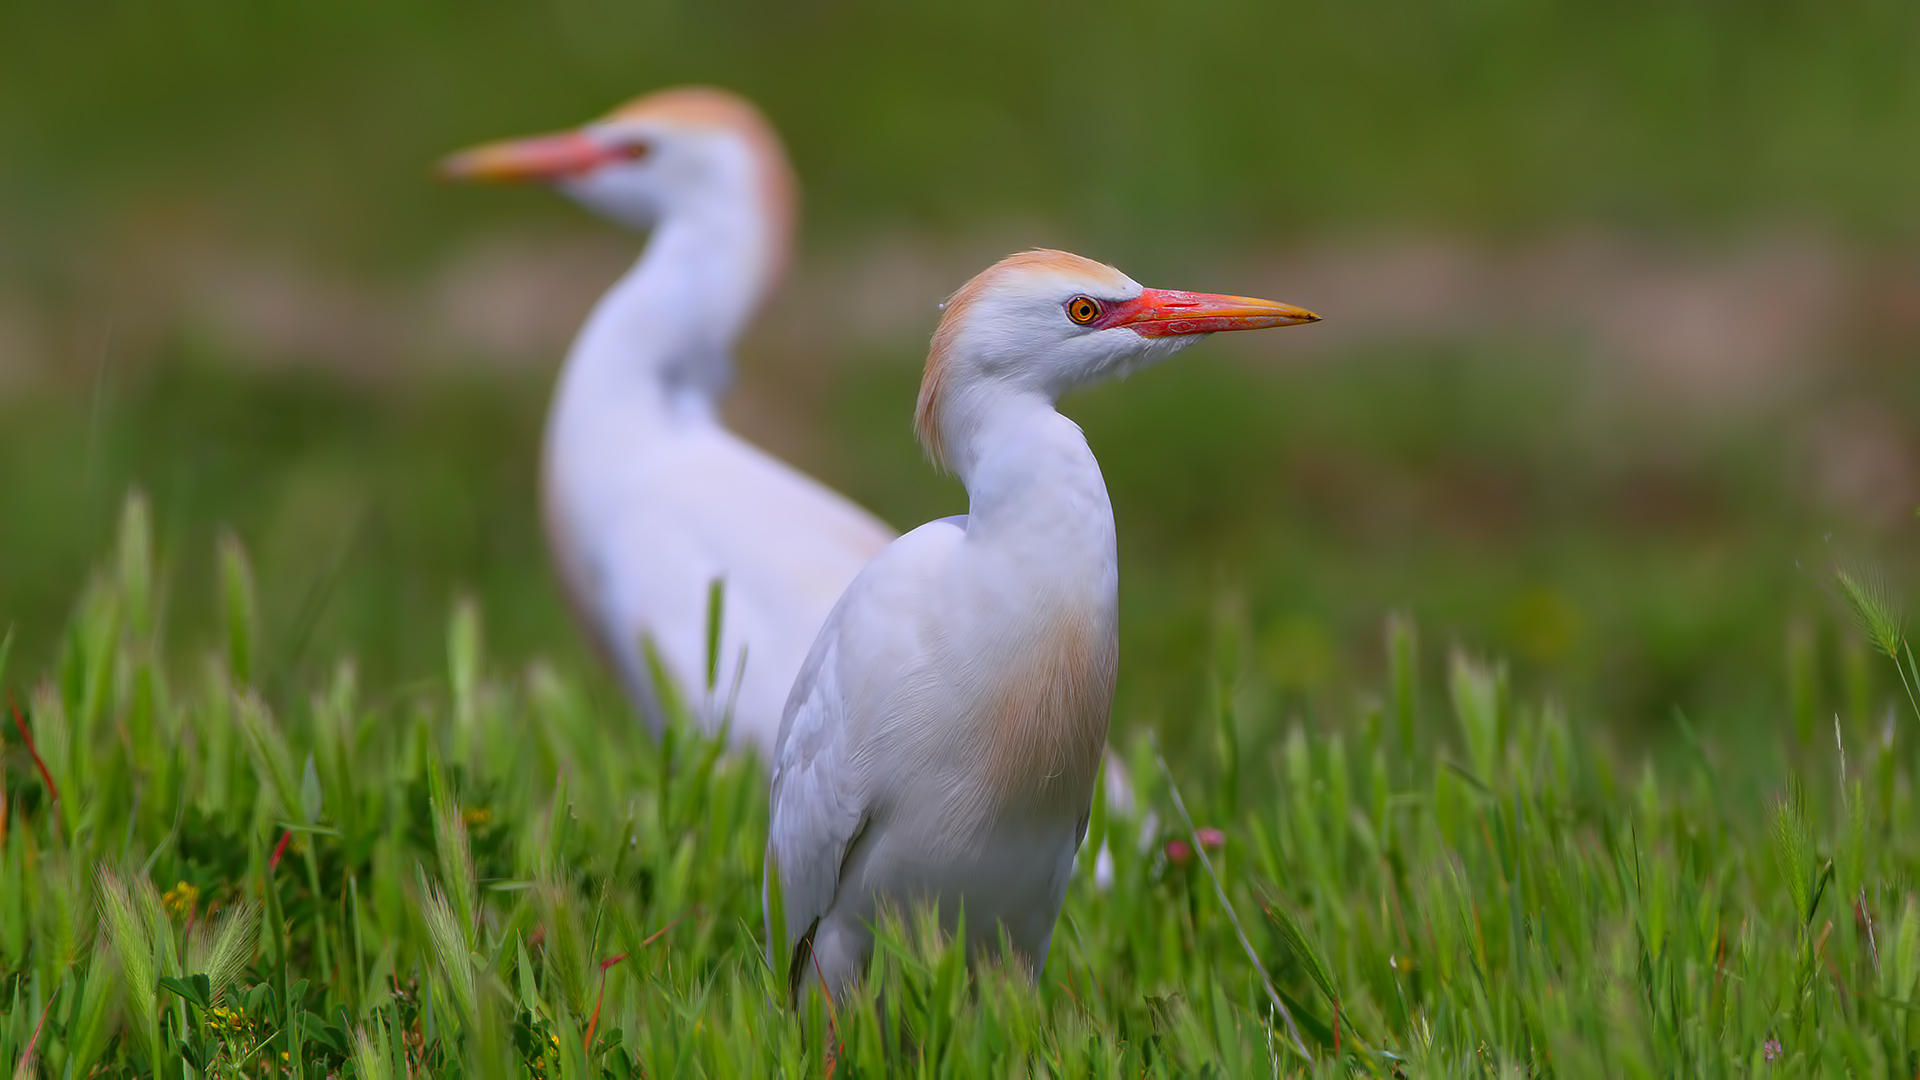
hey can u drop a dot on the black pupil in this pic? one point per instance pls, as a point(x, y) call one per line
point(1083, 310)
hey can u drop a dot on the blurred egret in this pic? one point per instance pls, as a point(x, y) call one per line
point(943, 737)
point(648, 499)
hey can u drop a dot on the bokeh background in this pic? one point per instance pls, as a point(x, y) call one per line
point(1623, 304)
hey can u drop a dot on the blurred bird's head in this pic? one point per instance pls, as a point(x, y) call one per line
point(684, 150)
point(1044, 322)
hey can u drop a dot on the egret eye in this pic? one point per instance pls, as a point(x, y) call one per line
point(632, 151)
point(1083, 309)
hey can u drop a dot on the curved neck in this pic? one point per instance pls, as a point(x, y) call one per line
point(1032, 479)
point(661, 339)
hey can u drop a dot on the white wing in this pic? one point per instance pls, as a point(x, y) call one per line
point(823, 792)
point(819, 804)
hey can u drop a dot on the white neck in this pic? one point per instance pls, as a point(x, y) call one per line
point(659, 344)
point(1032, 481)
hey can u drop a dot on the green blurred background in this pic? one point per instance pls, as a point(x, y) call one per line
point(1622, 305)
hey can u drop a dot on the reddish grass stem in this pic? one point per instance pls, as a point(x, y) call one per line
point(20, 721)
point(279, 849)
point(593, 1022)
point(26, 1059)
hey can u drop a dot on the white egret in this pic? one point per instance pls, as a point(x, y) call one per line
point(648, 498)
point(942, 740)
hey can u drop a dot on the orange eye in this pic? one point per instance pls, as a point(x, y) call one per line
point(1083, 309)
point(632, 151)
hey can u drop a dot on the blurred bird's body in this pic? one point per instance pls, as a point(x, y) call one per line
point(649, 500)
point(943, 739)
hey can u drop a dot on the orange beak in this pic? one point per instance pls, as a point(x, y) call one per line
point(537, 159)
point(1169, 312)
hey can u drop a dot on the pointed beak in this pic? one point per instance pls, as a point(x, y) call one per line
point(1169, 312)
point(532, 160)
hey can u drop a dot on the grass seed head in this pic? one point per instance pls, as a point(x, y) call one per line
point(1793, 851)
point(1873, 607)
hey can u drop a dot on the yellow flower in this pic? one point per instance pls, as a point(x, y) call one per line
point(181, 898)
point(477, 815)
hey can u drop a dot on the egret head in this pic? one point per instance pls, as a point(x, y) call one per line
point(1046, 322)
point(652, 158)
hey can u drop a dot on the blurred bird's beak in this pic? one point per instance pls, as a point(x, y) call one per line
point(1169, 312)
point(541, 158)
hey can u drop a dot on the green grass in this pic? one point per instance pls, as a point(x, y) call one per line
point(493, 873)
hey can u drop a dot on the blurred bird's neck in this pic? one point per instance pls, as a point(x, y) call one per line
point(660, 342)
